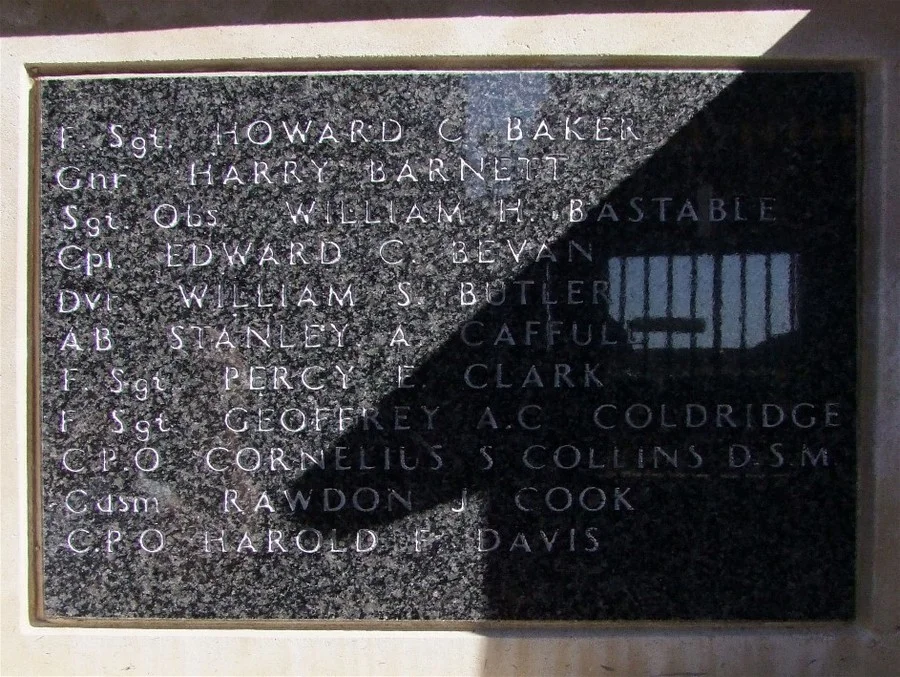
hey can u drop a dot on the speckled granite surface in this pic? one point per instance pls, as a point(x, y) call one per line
point(449, 346)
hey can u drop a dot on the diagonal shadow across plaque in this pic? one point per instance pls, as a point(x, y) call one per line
point(574, 346)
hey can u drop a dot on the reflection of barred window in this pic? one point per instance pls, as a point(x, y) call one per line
point(705, 301)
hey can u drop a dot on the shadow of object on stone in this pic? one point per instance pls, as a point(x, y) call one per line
point(67, 17)
point(563, 474)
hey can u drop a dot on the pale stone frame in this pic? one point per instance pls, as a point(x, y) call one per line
point(704, 40)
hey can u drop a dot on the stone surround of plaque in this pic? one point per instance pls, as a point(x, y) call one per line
point(456, 346)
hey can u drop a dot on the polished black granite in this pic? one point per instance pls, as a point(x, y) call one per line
point(448, 346)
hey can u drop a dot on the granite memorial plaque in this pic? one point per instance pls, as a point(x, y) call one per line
point(450, 346)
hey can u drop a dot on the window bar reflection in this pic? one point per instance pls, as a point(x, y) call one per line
point(717, 303)
point(694, 298)
point(697, 301)
point(743, 307)
point(793, 291)
point(768, 297)
point(670, 262)
point(646, 337)
point(623, 272)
